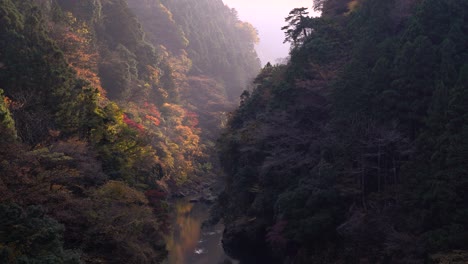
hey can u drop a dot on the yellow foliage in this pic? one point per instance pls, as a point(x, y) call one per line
point(248, 31)
point(352, 6)
point(155, 73)
point(119, 191)
point(174, 110)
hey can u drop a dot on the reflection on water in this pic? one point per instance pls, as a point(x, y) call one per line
point(188, 243)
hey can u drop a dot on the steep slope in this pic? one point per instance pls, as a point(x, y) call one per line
point(220, 45)
point(97, 128)
point(352, 152)
point(213, 57)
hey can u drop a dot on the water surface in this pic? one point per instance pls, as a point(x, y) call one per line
point(188, 243)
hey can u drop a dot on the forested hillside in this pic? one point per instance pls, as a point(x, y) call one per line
point(108, 106)
point(356, 150)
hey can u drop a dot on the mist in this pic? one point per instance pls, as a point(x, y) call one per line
point(268, 17)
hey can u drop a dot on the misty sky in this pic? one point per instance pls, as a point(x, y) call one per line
point(267, 16)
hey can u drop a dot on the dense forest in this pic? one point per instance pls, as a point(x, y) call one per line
point(107, 108)
point(356, 150)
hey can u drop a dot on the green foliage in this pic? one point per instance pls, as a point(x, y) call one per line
point(359, 142)
point(124, 223)
point(221, 46)
point(298, 27)
point(102, 109)
point(28, 236)
point(7, 124)
point(159, 21)
point(46, 99)
point(88, 10)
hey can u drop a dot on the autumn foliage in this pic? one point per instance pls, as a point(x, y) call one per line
point(96, 127)
point(75, 38)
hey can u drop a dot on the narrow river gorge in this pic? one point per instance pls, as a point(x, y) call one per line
point(188, 242)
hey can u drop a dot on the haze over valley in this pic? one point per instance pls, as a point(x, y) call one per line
point(268, 18)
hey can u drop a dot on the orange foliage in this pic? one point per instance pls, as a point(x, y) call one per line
point(174, 110)
point(175, 136)
point(76, 41)
point(7, 101)
point(12, 105)
point(152, 114)
point(187, 137)
point(153, 120)
point(155, 74)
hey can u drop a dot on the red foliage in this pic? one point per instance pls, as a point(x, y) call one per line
point(151, 108)
point(153, 115)
point(132, 123)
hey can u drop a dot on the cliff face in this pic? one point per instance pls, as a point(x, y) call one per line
point(335, 157)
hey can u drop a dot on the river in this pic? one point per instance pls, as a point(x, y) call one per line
point(188, 242)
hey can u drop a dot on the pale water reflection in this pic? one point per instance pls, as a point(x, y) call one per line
point(188, 243)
